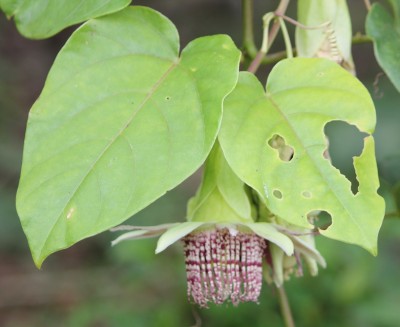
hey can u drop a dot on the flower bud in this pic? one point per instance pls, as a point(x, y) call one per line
point(330, 34)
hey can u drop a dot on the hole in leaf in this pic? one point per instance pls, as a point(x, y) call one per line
point(306, 194)
point(345, 142)
point(278, 143)
point(320, 219)
point(278, 194)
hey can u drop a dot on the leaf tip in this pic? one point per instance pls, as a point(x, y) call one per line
point(373, 250)
point(38, 261)
point(160, 248)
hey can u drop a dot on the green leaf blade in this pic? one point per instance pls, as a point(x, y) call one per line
point(39, 19)
point(384, 29)
point(303, 95)
point(118, 129)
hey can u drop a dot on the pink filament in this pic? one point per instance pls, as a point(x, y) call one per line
point(221, 266)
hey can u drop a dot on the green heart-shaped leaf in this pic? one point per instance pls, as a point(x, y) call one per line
point(384, 29)
point(303, 95)
point(39, 19)
point(122, 119)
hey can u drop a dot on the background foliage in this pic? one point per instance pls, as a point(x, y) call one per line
point(94, 285)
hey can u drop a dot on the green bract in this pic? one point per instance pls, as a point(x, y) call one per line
point(222, 199)
point(221, 196)
point(220, 202)
point(121, 120)
point(384, 29)
point(302, 96)
point(39, 19)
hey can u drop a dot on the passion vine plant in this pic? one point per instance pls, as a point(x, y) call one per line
point(125, 116)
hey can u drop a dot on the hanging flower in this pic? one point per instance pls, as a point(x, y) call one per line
point(222, 264)
point(223, 243)
point(223, 261)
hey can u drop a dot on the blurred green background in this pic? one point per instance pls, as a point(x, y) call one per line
point(94, 285)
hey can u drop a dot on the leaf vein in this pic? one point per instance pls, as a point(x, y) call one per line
point(151, 92)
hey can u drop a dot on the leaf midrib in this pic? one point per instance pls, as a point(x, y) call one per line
point(91, 168)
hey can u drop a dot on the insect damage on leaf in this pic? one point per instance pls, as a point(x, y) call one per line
point(285, 151)
point(293, 174)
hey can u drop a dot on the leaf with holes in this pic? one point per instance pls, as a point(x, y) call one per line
point(384, 29)
point(39, 19)
point(260, 130)
point(121, 120)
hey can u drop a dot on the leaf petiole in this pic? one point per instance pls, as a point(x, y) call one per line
point(286, 38)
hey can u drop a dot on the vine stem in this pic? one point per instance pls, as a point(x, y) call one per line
point(277, 56)
point(302, 26)
point(286, 37)
point(285, 307)
point(248, 32)
point(271, 36)
point(368, 4)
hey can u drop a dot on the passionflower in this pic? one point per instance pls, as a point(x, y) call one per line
point(223, 239)
point(223, 260)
